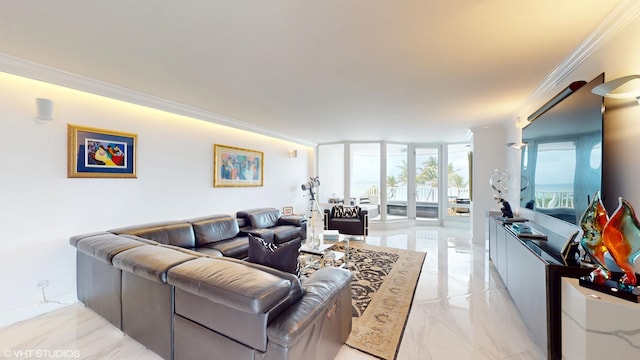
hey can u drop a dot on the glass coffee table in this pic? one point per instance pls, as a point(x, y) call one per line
point(320, 254)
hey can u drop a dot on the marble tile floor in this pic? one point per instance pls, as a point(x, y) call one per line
point(461, 310)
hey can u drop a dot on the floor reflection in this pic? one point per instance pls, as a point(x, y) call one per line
point(461, 308)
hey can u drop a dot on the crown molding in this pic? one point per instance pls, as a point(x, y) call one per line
point(32, 70)
point(616, 20)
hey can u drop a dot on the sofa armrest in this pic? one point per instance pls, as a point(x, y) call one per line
point(364, 213)
point(216, 293)
point(295, 220)
point(296, 290)
point(266, 234)
point(327, 294)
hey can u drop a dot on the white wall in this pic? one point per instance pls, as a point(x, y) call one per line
point(331, 170)
point(42, 208)
point(488, 154)
point(619, 56)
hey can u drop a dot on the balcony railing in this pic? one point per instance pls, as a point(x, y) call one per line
point(554, 199)
point(423, 193)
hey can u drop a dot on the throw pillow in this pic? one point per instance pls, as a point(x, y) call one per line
point(351, 212)
point(283, 257)
point(346, 212)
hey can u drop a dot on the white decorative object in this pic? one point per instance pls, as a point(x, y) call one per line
point(498, 182)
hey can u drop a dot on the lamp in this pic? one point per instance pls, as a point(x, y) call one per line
point(519, 145)
point(293, 153)
point(608, 89)
point(44, 109)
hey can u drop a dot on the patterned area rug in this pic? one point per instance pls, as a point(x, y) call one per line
point(383, 285)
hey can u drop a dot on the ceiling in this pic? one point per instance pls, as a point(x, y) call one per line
point(314, 71)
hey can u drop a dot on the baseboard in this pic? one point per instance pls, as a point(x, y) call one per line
point(37, 308)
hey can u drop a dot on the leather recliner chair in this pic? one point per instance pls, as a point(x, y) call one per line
point(357, 224)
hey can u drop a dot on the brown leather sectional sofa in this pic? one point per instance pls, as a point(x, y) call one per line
point(184, 290)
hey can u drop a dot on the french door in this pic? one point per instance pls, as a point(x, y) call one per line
point(427, 182)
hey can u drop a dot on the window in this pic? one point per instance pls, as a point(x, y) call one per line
point(365, 173)
point(397, 180)
point(458, 179)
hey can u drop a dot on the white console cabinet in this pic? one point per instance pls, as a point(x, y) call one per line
point(531, 271)
point(524, 275)
point(598, 326)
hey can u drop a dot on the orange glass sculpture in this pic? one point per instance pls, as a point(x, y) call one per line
point(592, 223)
point(621, 236)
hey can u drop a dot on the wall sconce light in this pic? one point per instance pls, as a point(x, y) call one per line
point(44, 109)
point(609, 88)
point(518, 146)
point(293, 154)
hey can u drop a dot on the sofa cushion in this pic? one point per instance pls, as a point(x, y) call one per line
point(74, 239)
point(282, 257)
point(295, 220)
point(264, 218)
point(266, 234)
point(191, 252)
point(169, 233)
point(214, 228)
point(150, 262)
point(285, 233)
point(237, 248)
point(230, 284)
point(105, 246)
point(244, 214)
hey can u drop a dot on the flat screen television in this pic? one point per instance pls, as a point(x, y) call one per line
point(561, 166)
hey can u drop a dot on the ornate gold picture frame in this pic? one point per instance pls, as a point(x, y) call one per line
point(99, 153)
point(237, 167)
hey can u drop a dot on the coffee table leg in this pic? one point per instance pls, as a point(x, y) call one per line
point(346, 253)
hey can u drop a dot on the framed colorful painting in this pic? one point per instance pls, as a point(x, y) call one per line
point(236, 167)
point(98, 153)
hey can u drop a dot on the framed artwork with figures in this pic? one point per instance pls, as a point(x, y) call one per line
point(237, 167)
point(99, 153)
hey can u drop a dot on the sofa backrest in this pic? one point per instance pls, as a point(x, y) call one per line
point(243, 222)
point(105, 245)
point(260, 218)
point(170, 233)
point(214, 228)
